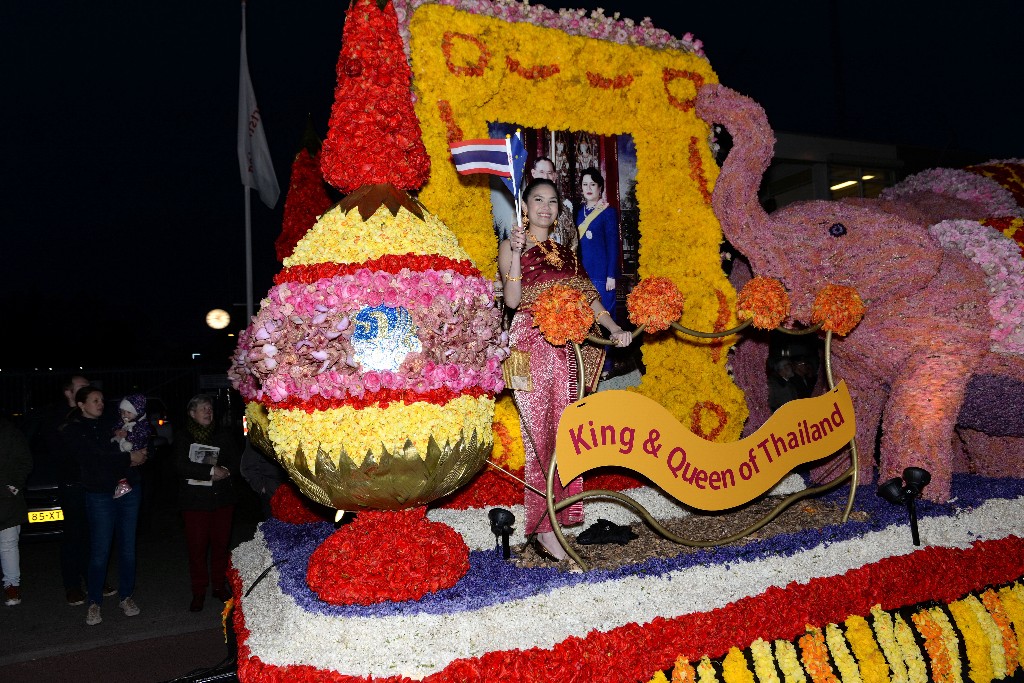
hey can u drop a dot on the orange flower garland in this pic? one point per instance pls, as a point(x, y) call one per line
point(1003, 623)
point(598, 81)
point(942, 665)
point(682, 104)
point(839, 308)
point(814, 655)
point(563, 315)
point(475, 69)
point(764, 300)
point(697, 170)
point(656, 303)
point(533, 72)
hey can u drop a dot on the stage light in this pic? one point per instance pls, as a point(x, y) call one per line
point(502, 522)
point(905, 492)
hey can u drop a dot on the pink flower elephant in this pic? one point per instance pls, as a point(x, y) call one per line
point(920, 363)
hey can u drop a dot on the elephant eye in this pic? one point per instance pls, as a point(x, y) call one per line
point(837, 230)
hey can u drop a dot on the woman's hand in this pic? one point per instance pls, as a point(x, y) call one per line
point(139, 457)
point(220, 473)
point(622, 338)
point(518, 239)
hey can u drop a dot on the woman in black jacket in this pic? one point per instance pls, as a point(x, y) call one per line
point(206, 457)
point(103, 465)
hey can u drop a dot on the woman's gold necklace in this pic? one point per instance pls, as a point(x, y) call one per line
point(551, 255)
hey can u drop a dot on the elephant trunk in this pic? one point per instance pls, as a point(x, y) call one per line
point(743, 219)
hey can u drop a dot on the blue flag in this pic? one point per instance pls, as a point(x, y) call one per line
point(517, 157)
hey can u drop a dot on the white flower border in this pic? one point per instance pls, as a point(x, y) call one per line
point(282, 634)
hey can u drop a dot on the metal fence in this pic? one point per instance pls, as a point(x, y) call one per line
point(22, 392)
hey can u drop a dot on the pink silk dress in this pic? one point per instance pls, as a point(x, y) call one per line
point(555, 381)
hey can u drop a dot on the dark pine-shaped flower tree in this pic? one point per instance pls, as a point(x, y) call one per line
point(307, 197)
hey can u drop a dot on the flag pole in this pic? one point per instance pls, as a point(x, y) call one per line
point(248, 255)
point(515, 189)
point(248, 229)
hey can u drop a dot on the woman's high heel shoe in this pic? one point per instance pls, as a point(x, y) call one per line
point(542, 550)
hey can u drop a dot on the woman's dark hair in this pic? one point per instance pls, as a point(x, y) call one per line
point(537, 182)
point(595, 175)
point(82, 394)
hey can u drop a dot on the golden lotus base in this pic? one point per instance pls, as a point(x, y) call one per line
point(386, 481)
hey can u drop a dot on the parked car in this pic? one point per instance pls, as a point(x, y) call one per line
point(159, 420)
point(45, 516)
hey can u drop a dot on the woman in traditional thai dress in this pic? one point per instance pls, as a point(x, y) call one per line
point(529, 263)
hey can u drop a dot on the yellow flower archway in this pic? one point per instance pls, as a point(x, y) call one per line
point(469, 70)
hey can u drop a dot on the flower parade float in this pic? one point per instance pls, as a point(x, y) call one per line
point(393, 596)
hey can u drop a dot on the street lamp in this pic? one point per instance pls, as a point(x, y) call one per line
point(218, 319)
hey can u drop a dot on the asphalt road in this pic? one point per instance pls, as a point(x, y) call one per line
point(45, 639)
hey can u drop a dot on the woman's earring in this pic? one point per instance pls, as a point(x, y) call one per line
point(526, 222)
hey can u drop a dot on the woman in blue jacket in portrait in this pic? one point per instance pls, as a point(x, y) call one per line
point(598, 226)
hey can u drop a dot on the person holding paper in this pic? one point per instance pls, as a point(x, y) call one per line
point(206, 457)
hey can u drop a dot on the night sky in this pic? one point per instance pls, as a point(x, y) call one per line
point(123, 215)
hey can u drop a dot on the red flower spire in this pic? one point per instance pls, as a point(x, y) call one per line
point(374, 136)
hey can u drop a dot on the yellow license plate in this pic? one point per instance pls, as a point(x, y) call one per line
point(45, 515)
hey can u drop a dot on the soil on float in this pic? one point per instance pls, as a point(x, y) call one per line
point(699, 526)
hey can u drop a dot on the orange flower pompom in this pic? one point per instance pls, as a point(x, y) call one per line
point(764, 300)
point(655, 303)
point(563, 314)
point(839, 308)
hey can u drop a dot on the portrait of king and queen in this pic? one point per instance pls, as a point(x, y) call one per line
point(571, 152)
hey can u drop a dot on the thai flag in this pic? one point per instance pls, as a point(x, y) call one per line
point(503, 158)
point(482, 156)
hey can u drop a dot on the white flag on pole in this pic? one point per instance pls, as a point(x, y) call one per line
point(253, 154)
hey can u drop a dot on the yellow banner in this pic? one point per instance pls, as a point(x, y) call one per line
point(629, 430)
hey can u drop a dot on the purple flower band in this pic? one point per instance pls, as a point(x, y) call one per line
point(491, 580)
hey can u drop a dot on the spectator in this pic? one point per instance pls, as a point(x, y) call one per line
point(74, 540)
point(103, 464)
point(262, 474)
point(15, 465)
point(805, 376)
point(131, 432)
point(781, 387)
point(206, 456)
